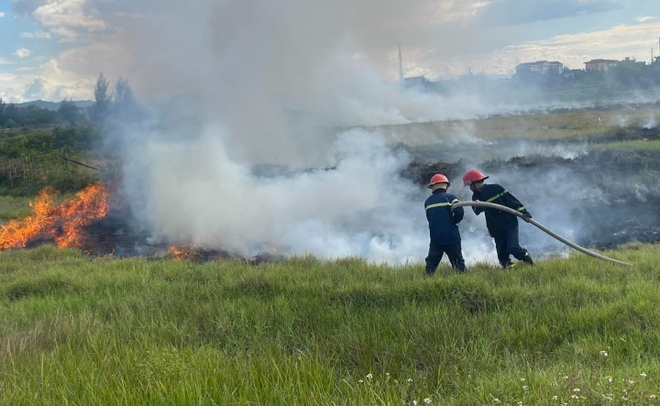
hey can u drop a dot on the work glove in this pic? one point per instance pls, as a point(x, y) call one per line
point(527, 217)
point(477, 210)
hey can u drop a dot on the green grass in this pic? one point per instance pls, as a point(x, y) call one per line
point(99, 331)
point(634, 145)
point(18, 207)
point(551, 126)
point(14, 208)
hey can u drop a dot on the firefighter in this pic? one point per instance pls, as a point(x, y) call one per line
point(502, 226)
point(443, 228)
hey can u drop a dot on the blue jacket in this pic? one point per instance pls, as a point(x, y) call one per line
point(443, 227)
point(498, 220)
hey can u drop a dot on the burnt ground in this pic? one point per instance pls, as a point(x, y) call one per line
point(616, 198)
point(116, 234)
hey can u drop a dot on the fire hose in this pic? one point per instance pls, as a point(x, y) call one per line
point(539, 226)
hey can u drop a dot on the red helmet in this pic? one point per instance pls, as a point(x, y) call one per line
point(438, 178)
point(472, 176)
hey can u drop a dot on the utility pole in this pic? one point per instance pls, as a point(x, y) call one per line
point(400, 65)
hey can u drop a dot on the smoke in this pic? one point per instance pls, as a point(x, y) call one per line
point(196, 193)
point(265, 159)
point(275, 132)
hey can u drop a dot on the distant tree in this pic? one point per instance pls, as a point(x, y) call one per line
point(11, 113)
point(2, 112)
point(123, 92)
point(101, 107)
point(125, 107)
point(628, 74)
point(33, 115)
point(68, 112)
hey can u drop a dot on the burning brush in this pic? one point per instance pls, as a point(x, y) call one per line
point(91, 223)
point(60, 224)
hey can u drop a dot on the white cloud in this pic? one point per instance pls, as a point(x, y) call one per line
point(572, 50)
point(2, 14)
point(461, 12)
point(38, 34)
point(643, 19)
point(67, 19)
point(51, 82)
point(45, 82)
point(8, 87)
point(22, 53)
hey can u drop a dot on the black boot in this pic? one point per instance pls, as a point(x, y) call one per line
point(528, 259)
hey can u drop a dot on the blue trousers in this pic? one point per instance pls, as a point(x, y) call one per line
point(454, 253)
point(507, 243)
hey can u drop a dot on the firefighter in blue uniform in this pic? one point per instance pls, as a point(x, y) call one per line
point(443, 226)
point(502, 226)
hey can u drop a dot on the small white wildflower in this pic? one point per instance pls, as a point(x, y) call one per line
point(576, 390)
point(360, 381)
point(414, 403)
point(604, 353)
point(525, 387)
point(409, 380)
point(427, 401)
point(522, 379)
point(653, 397)
point(496, 400)
point(575, 397)
point(624, 398)
point(643, 374)
point(565, 376)
point(630, 381)
point(369, 376)
point(609, 379)
point(555, 397)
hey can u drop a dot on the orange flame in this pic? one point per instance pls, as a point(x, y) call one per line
point(62, 223)
point(183, 252)
point(190, 252)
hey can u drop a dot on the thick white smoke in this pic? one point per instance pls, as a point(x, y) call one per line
point(195, 192)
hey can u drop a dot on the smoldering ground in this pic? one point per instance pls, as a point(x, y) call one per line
point(598, 196)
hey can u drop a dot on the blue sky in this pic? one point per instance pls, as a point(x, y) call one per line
point(55, 49)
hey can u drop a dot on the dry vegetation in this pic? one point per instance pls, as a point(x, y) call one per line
point(529, 126)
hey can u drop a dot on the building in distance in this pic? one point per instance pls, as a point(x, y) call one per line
point(542, 67)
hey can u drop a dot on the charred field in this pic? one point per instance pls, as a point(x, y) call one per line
point(607, 185)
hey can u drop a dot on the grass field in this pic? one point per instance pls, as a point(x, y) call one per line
point(12, 207)
point(100, 331)
point(540, 126)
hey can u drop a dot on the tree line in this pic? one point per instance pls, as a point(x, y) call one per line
point(120, 104)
